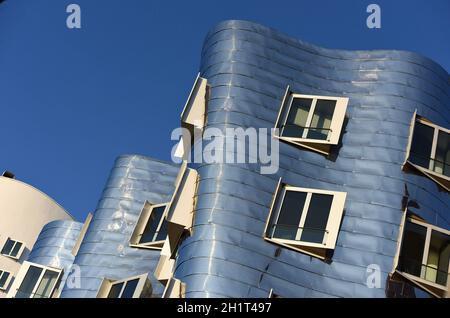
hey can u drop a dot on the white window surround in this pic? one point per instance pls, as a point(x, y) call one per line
point(9, 253)
point(332, 225)
point(141, 224)
point(143, 288)
point(318, 145)
point(174, 289)
point(15, 288)
point(441, 179)
point(8, 275)
point(433, 288)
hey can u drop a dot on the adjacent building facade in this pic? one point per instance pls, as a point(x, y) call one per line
point(358, 205)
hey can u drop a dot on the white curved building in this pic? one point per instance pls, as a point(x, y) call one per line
point(24, 210)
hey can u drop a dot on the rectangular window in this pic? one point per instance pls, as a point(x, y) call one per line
point(38, 282)
point(151, 228)
point(305, 219)
point(314, 122)
point(425, 254)
point(12, 248)
point(132, 287)
point(4, 279)
point(429, 150)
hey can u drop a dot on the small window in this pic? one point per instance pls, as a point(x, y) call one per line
point(5, 277)
point(133, 287)
point(37, 282)
point(424, 256)
point(304, 219)
point(151, 228)
point(174, 289)
point(429, 150)
point(314, 122)
point(13, 248)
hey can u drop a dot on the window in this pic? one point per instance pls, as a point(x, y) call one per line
point(151, 228)
point(304, 219)
point(424, 256)
point(13, 248)
point(37, 282)
point(429, 150)
point(133, 287)
point(314, 122)
point(5, 277)
point(174, 289)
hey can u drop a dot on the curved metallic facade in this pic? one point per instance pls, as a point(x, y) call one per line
point(54, 246)
point(248, 67)
point(105, 250)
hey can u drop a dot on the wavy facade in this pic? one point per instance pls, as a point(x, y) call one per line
point(105, 251)
point(248, 67)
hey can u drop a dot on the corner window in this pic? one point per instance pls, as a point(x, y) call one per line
point(37, 281)
point(133, 287)
point(424, 256)
point(307, 220)
point(5, 277)
point(151, 228)
point(310, 121)
point(13, 248)
point(429, 150)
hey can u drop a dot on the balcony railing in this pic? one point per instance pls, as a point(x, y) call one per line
point(291, 232)
point(325, 134)
point(423, 271)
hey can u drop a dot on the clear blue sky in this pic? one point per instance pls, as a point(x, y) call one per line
point(72, 100)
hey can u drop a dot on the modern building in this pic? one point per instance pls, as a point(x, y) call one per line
point(358, 206)
point(24, 210)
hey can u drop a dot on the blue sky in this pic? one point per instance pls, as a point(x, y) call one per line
point(73, 100)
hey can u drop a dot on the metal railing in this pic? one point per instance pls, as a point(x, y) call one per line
point(327, 130)
point(295, 232)
point(424, 271)
point(445, 165)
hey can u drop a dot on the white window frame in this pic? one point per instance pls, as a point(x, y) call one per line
point(23, 272)
point(333, 223)
point(19, 253)
point(142, 285)
point(144, 218)
point(337, 121)
point(8, 280)
point(422, 282)
point(429, 172)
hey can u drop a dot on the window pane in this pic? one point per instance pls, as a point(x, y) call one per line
point(29, 282)
point(317, 218)
point(3, 278)
point(422, 142)
point(442, 158)
point(16, 249)
point(412, 249)
point(290, 214)
point(162, 233)
point(46, 285)
point(115, 290)
point(130, 287)
point(438, 258)
point(296, 121)
point(321, 120)
point(7, 248)
point(152, 225)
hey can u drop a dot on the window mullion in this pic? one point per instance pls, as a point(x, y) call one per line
point(38, 282)
point(433, 148)
point(160, 224)
point(425, 252)
point(122, 289)
point(278, 211)
point(286, 115)
point(303, 217)
point(309, 118)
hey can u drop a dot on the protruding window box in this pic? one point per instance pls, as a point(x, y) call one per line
point(5, 279)
point(310, 121)
point(306, 220)
point(132, 287)
point(174, 289)
point(428, 151)
point(13, 249)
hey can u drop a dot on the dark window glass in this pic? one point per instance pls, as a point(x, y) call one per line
point(317, 218)
point(438, 258)
point(162, 233)
point(321, 120)
point(422, 142)
point(114, 292)
point(411, 253)
point(442, 158)
point(130, 288)
point(152, 225)
point(3, 278)
point(29, 282)
point(7, 248)
point(16, 249)
point(298, 114)
point(290, 214)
